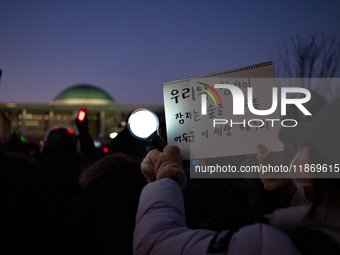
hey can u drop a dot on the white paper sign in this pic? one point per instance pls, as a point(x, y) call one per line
point(219, 132)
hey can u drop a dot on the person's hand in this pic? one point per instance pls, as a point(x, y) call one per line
point(82, 125)
point(250, 158)
point(268, 158)
point(158, 165)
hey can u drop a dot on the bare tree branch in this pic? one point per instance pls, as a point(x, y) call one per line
point(313, 56)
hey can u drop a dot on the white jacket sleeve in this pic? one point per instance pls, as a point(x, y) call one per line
point(161, 228)
point(160, 223)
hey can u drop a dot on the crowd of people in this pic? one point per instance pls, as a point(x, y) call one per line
point(69, 198)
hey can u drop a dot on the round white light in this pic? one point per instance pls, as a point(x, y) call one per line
point(113, 135)
point(142, 123)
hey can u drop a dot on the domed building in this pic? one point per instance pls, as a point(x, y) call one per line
point(32, 120)
point(83, 94)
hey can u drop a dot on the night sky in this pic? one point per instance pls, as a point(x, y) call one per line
point(129, 48)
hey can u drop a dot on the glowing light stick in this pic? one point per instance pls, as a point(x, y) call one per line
point(143, 124)
point(81, 114)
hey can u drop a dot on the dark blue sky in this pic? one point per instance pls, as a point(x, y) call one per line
point(129, 48)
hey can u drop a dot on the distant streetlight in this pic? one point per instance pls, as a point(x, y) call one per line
point(113, 135)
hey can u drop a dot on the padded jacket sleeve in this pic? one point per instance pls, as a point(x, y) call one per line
point(161, 228)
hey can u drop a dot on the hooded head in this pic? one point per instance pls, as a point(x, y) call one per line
point(59, 141)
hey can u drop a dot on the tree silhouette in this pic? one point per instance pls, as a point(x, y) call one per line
point(313, 57)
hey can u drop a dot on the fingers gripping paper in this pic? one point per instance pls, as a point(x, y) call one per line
point(206, 119)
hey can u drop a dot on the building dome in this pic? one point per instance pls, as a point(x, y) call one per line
point(83, 94)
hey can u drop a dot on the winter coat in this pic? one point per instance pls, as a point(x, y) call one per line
point(46, 198)
point(103, 218)
point(161, 228)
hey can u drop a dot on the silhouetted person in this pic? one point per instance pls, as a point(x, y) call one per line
point(49, 191)
point(89, 153)
point(15, 163)
point(103, 218)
